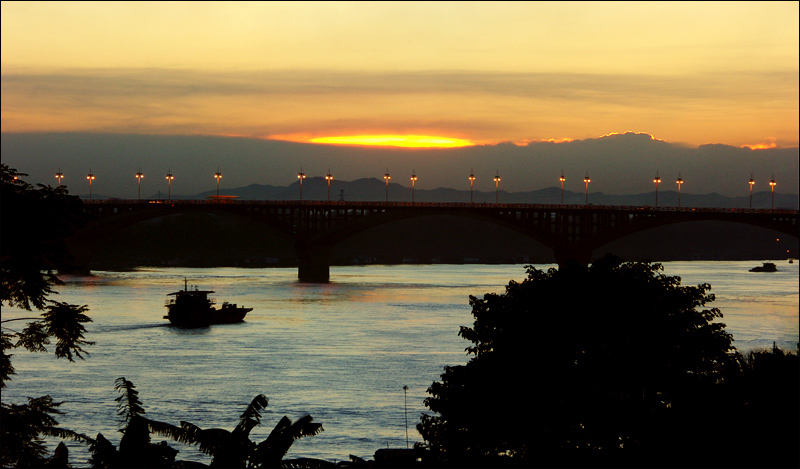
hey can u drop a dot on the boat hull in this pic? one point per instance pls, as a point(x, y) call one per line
point(207, 318)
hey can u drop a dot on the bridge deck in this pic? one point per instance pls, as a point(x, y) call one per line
point(572, 231)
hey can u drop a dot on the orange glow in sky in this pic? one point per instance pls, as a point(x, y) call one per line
point(404, 141)
point(762, 146)
point(252, 69)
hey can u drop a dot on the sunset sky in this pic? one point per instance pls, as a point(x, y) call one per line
point(690, 73)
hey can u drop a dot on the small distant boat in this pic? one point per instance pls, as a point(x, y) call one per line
point(767, 267)
point(193, 308)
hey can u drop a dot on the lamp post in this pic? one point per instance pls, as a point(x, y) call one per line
point(562, 179)
point(90, 177)
point(497, 186)
point(657, 180)
point(217, 176)
point(751, 182)
point(405, 410)
point(329, 178)
point(680, 183)
point(471, 182)
point(170, 177)
point(301, 175)
point(59, 176)
point(139, 176)
point(772, 184)
point(386, 177)
point(413, 183)
point(586, 181)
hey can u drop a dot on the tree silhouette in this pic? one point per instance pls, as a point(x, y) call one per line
point(135, 447)
point(235, 449)
point(23, 429)
point(763, 399)
point(35, 223)
point(578, 367)
point(227, 448)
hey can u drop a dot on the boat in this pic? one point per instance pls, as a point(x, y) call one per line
point(767, 267)
point(193, 308)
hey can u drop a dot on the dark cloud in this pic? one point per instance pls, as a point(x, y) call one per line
point(617, 164)
point(169, 83)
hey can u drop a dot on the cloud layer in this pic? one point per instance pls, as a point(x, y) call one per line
point(617, 164)
point(744, 108)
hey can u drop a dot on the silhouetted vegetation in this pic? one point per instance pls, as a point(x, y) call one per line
point(35, 222)
point(612, 365)
point(230, 449)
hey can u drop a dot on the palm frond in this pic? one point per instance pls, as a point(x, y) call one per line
point(251, 416)
point(304, 427)
point(179, 434)
point(66, 434)
point(280, 427)
point(271, 451)
point(208, 441)
point(128, 401)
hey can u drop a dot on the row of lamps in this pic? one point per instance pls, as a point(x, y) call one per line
point(301, 175)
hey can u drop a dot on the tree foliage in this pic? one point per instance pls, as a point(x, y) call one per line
point(35, 223)
point(229, 449)
point(135, 447)
point(235, 449)
point(23, 429)
point(578, 366)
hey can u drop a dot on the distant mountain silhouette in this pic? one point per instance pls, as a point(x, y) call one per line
point(617, 163)
point(373, 189)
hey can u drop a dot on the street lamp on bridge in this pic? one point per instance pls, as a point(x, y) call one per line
point(586, 181)
point(386, 177)
point(90, 177)
point(413, 182)
point(170, 177)
point(139, 176)
point(329, 178)
point(471, 182)
point(217, 176)
point(772, 184)
point(657, 180)
point(751, 182)
point(680, 183)
point(301, 175)
point(59, 176)
point(497, 186)
point(562, 179)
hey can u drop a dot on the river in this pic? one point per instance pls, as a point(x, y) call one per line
point(341, 351)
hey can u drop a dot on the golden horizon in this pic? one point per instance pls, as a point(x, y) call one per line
point(395, 140)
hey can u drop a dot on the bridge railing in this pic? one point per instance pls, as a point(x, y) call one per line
point(375, 204)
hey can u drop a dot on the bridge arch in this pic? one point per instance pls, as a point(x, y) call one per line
point(573, 232)
point(702, 239)
point(181, 236)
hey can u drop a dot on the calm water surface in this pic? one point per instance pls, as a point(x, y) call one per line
point(341, 352)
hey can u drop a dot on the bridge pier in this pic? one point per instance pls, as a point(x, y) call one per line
point(314, 262)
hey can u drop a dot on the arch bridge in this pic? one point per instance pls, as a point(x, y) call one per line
point(572, 231)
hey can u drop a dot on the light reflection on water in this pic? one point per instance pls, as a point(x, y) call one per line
point(340, 351)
